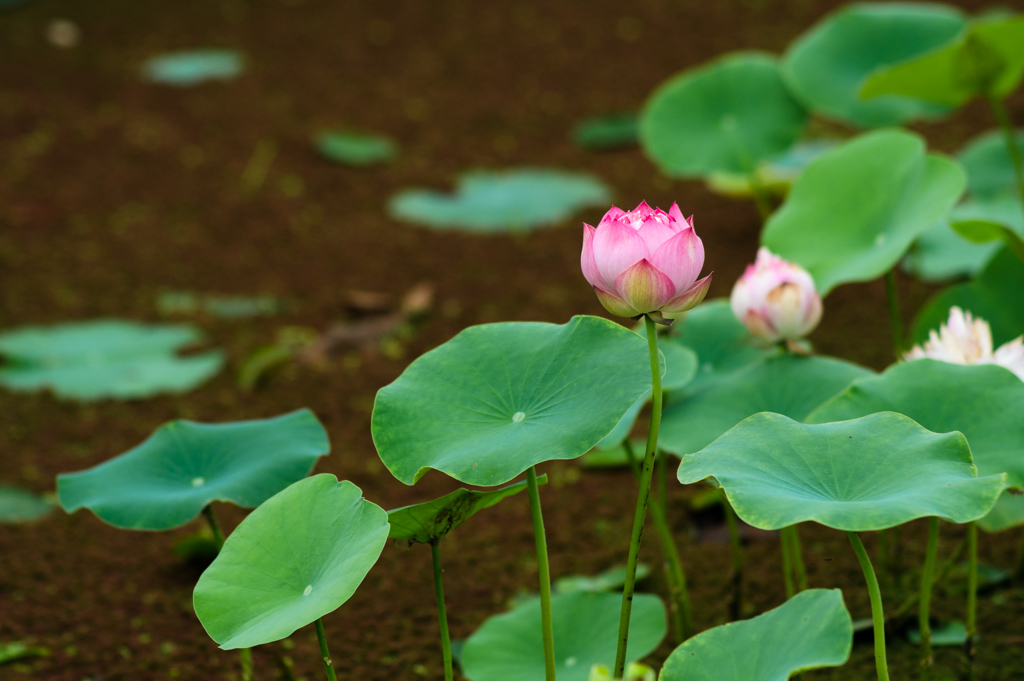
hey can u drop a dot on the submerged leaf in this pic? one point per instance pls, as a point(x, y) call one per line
point(193, 67)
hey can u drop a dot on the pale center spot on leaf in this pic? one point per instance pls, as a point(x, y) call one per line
point(198, 481)
point(570, 662)
point(880, 239)
point(518, 416)
point(309, 590)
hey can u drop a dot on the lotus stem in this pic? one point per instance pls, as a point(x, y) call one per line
point(324, 653)
point(646, 473)
point(924, 605)
point(761, 198)
point(736, 548)
point(792, 534)
point(999, 111)
point(442, 615)
point(972, 595)
point(246, 655)
point(877, 615)
point(211, 519)
point(943, 572)
point(895, 318)
point(787, 563)
point(544, 574)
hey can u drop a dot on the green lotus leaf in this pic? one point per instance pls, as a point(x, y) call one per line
point(776, 174)
point(786, 384)
point(432, 520)
point(99, 359)
point(993, 296)
point(356, 148)
point(499, 398)
point(989, 166)
point(508, 647)
point(21, 506)
point(613, 131)
point(193, 67)
point(946, 634)
point(724, 117)
point(987, 60)
point(872, 473)
point(1008, 512)
point(826, 65)
point(612, 579)
point(296, 558)
point(987, 231)
point(502, 201)
point(167, 480)
point(855, 211)
point(811, 630)
point(942, 253)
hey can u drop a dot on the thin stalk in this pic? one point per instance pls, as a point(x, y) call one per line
point(211, 518)
point(644, 497)
point(324, 653)
point(972, 593)
point(761, 198)
point(787, 563)
point(442, 615)
point(736, 548)
point(895, 318)
point(1018, 573)
point(999, 111)
point(877, 615)
point(943, 572)
point(800, 571)
point(679, 594)
point(246, 655)
point(924, 606)
point(544, 571)
point(661, 462)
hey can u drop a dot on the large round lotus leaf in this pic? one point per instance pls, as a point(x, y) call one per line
point(985, 60)
point(432, 520)
point(983, 402)
point(994, 296)
point(869, 474)
point(502, 201)
point(21, 506)
point(826, 66)
point(499, 398)
point(812, 629)
point(855, 211)
point(356, 148)
point(727, 116)
point(193, 67)
point(941, 253)
point(679, 368)
point(167, 480)
point(989, 167)
point(296, 558)
point(508, 647)
point(786, 384)
point(721, 342)
point(111, 358)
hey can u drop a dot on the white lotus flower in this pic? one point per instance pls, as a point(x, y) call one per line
point(966, 340)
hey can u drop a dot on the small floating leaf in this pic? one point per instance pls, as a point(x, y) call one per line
point(611, 579)
point(613, 131)
point(356, 148)
point(296, 558)
point(946, 634)
point(16, 650)
point(502, 201)
point(100, 359)
point(21, 506)
point(811, 630)
point(167, 480)
point(508, 647)
point(193, 67)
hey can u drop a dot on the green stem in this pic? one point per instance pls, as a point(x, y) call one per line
point(787, 562)
point(761, 198)
point(442, 615)
point(211, 518)
point(943, 572)
point(1011, 143)
point(972, 592)
point(796, 555)
point(877, 616)
point(324, 653)
point(736, 547)
point(644, 497)
point(544, 573)
point(246, 655)
point(924, 606)
point(895, 319)
point(660, 460)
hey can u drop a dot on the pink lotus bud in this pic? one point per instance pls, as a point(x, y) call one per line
point(776, 299)
point(965, 340)
point(645, 262)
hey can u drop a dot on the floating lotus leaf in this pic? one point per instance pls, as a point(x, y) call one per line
point(499, 398)
point(193, 67)
point(296, 558)
point(612, 579)
point(872, 473)
point(811, 630)
point(786, 384)
point(941, 253)
point(854, 212)
point(989, 167)
point(21, 506)
point(993, 296)
point(946, 634)
point(167, 480)
point(432, 520)
point(985, 60)
point(614, 131)
point(827, 64)
point(508, 647)
point(724, 117)
point(101, 359)
point(502, 201)
point(356, 148)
